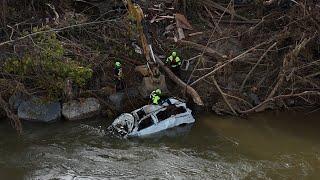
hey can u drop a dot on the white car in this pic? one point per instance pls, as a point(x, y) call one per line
point(152, 118)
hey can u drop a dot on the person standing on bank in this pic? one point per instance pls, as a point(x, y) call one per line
point(118, 76)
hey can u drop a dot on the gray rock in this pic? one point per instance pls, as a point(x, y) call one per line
point(16, 99)
point(150, 84)
point(83, 109)
point(37, 110)
point(117, 100)
point(120, 98)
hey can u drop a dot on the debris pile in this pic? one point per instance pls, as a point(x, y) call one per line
point(239, 56)
point(255, 60)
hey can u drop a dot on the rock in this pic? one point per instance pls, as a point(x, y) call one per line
point(143, 70)
point(120, 99)
point(150, 84)
point(37, 110)
point(83, 109)
point(16, 99)
point(117, 100)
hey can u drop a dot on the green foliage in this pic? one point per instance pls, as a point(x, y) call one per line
point(46, 62)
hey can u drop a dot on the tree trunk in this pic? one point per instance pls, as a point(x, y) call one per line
point(193, 93)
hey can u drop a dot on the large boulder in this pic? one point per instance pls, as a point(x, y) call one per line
point(37, 110)
point(119, 99)
point(150, 84)
point(81, 109)
point(16, 99)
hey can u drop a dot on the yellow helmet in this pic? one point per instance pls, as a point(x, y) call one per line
point(118, 64)
point(174, 54)
point(158, 91)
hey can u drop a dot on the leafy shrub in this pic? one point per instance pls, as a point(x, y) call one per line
point(48, 66)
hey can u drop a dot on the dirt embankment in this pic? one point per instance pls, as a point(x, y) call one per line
point(253, 57)
point(244, 57)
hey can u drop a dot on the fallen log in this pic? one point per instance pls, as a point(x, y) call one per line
point(262, 106)
point(224, 96)
point(228, 62)
point(193, 93)
point(207, 50)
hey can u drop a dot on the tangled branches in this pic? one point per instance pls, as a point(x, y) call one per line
point(289, 45)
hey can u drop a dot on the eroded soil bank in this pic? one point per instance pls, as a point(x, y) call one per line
point(245, 57)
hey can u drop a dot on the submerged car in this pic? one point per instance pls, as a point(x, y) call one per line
point(152, 119)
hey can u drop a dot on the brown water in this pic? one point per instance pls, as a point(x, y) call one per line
point(264, 146)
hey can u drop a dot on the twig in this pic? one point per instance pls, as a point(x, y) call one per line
point(54, 30)
point(228, 62)
point(240, 22)
point(223, 96)
point(239, 99)
point(218, 6)
point(254, 109)
point(207, 50)
point(214, 20)
point(195, 34)
point(15, 121)
point(256, 65)
point(207, 45)
point(289, 57)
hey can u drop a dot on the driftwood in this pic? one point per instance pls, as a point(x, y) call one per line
point(228, 62)
point(54, 30)
point(195, 34)
point(262, 105)
point(223, 96)
point(207, 50)
point(221, 8)
point(255, 66)
point(193, 93)
point(286, 65)
point(239, 22)
point(215, 22)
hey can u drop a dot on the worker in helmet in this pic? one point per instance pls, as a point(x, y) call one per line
point(174, 62)
point(155, 97)
point(118, 75)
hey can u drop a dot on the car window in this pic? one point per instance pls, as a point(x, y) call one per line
point(145, 123)
point(171, 110)
point(141, 113)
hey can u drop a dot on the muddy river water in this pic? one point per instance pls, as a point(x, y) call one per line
point(263, 146)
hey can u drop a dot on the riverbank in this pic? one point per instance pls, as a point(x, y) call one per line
point(244, 58)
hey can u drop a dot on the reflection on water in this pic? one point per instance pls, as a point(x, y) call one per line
point(265, 146)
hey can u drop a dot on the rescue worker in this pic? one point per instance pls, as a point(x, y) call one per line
point(155, 97)
point(118, 76)
point(174, 62)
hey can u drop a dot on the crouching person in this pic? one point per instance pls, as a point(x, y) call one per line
point(174, 62)
point(155, 97)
